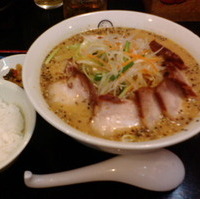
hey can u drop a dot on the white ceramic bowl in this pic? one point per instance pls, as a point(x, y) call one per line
point(12, 94)
point(49, 39)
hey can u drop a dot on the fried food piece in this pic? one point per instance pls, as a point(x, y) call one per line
point(15, 75)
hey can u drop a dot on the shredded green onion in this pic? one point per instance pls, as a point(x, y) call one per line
point(98, 77)
point(73, 46)
point(125, 68)
point(51, 55)
point(127, 46)
point(114, 77)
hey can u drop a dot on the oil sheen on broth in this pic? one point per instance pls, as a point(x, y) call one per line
point(80, 114)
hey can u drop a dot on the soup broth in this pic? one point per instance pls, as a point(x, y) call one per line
point(140, 67)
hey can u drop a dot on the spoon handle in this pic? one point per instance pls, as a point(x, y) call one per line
point(95, 172)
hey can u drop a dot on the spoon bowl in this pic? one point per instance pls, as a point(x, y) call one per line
point(146, 170)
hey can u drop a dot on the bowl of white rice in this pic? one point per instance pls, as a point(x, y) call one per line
point(17, 122)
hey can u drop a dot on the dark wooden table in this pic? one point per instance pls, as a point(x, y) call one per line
point(49, 150)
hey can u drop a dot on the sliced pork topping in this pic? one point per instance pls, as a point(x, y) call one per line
point(111, 115)
point(171, 98)
point(167, 54)
point(85, 83)
point(149, 107)
point(180, 77)
point(67, 92)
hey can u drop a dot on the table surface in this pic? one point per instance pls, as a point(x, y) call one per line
point(50, 150)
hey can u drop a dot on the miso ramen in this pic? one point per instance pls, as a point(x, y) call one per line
point(122, 84)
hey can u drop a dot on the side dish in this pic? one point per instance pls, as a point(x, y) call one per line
point(15, 75)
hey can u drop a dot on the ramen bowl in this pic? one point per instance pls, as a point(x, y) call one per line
point(69, 27)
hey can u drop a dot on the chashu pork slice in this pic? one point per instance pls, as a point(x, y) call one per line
point(168, 55)
point(179, 76)
point(171, 98)
point(67, 92)
point(150, 109)
point(75, 89)
point(113, 114)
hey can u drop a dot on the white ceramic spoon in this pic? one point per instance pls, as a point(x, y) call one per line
point(157, 171)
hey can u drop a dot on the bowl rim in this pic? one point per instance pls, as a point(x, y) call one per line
point(89, 139)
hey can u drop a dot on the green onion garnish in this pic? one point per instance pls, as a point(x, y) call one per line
point(127, 46)
point(98, 77)
point(125, 68)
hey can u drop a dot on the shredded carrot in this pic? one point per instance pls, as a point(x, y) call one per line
point(115, 46)
point(150, 61)
point(139, 56)
point(135, 56)
point(145, 71)
point(144, 52)
point(97, 59)
point(108, 43)
point(118, 43)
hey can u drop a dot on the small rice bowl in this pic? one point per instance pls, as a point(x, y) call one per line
point(11, 129)
point(17, 122)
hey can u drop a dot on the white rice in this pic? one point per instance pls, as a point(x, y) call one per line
point(11, 129)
